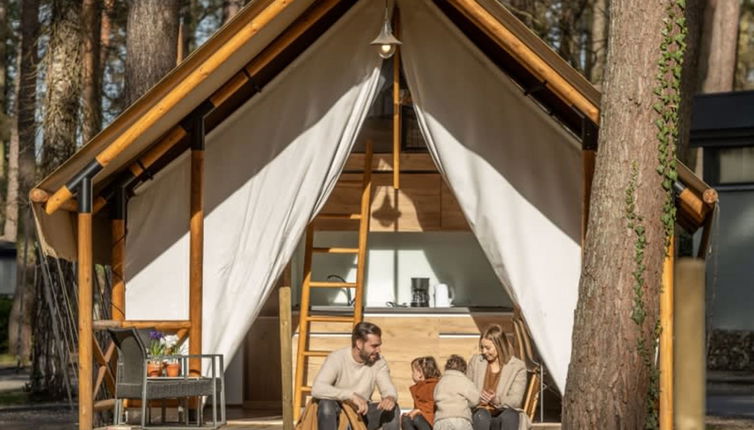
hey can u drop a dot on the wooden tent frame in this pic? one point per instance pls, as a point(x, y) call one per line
point(521, 54)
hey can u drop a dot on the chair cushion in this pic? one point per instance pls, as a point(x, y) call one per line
point(167, 388)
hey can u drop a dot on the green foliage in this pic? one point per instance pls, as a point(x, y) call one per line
point(668, 94)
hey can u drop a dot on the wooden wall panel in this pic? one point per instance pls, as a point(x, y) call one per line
point(423, 203)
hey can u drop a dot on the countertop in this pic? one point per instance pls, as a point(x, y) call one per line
point(410, 310)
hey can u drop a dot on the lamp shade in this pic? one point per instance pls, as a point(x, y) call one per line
point(386, 43)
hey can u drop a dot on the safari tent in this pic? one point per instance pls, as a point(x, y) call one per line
point(199, 193)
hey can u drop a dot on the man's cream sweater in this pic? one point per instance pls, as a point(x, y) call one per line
point(340, 376)
point(455, 395)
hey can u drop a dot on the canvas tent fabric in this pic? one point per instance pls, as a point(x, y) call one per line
point(515, 172)
point(269, 168)
point(271, 164)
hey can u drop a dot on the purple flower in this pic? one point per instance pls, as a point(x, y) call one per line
point(155, 335)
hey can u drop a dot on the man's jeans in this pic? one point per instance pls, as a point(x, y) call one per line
point(329, 411)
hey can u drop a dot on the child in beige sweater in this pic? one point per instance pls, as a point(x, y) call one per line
point(455, 395)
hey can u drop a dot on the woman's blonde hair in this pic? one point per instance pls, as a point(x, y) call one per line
point(497, 336)
point(427, 365)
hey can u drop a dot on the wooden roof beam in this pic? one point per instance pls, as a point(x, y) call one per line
point(232, 87)
point(527, 57)
point(171, 99)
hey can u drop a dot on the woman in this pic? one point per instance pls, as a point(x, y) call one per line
point(501, 379)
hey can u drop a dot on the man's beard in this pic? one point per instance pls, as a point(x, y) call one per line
point(367, 359)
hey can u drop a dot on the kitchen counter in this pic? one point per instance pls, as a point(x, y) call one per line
point(462, 310)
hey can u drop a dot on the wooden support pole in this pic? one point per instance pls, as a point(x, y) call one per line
point(666, 340)
point(118, 228)
point(85, 272)
point(286, 350)
point(196, 247)
point(689, 401)
point(396, 106)
point(588, 157)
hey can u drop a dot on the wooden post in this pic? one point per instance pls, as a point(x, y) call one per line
point(85, 269)
point(689, 398)
point(666, 340)
point(196, 252)
point(286, 349)
point(118, 303)
point(396, 107)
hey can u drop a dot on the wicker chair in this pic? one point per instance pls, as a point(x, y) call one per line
point(133, 382)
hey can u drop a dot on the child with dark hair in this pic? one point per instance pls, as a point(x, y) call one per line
point(425, 375)
point(455, 395)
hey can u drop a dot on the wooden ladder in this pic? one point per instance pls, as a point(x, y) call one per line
point(303, 353)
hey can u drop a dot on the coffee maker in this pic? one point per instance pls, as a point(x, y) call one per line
point(419, 292)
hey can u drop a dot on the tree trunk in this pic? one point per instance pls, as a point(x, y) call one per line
point(105, 30)
point(189, 12)
point(719, 41)
point(19, 329)
point(690, 85)
point(5, 121)
point(151, 44)
point(92, 100)
point(10, 229)
point(63, 84)
point(608, 377)
point(230, 8)
point(599, 41)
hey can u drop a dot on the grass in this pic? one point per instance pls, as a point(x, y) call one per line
point(14, 397)
point(7, 360)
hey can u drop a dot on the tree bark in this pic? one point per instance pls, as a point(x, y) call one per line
point(27, 95)
point(598, 41)
point(92, 72)
point(690, 85)
point(19, 326)
point(608, 380)
point(106, 25)
point(230, 8)
point(5, 120)
point(151, 44)
point(719, 42)
point(63, 84)
point(10, 229)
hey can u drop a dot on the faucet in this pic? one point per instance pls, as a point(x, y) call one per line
point(349, 300)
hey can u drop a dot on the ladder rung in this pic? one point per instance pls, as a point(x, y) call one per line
point(340, 216)
point(333, 284)
point(337, 250)
point(317, 353)
point(331, 319)
point(307, 389)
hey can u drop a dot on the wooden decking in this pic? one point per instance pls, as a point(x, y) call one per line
point(276, 423)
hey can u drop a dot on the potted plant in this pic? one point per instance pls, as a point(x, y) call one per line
point(173, 346)
point(156, 349)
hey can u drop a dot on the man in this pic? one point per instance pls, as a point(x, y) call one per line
point(350, 375)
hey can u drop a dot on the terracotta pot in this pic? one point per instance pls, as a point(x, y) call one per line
point(173, 369)
point(154, 369)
